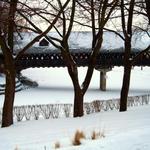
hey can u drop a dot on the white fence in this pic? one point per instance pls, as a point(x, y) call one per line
point(35, 112)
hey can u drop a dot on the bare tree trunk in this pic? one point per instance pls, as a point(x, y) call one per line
point(127, 30)
point(126, 76)
point(7, 117)
point(78, 103)
point(9, 70)
point(125, 88)
point(78, 93)
point(11, 23)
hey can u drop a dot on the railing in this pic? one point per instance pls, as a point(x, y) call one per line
point(19, 87)
point(35, 112)
point(104, 59)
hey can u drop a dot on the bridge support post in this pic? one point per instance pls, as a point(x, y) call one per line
point(103, 78)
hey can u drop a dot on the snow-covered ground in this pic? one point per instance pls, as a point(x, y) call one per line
point(123, 131)
point(55, 85)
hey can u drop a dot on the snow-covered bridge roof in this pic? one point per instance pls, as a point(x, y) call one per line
point(82, 41)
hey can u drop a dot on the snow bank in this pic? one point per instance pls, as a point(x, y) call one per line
point(123, 131)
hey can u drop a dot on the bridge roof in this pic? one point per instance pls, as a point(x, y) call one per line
point(81, 41)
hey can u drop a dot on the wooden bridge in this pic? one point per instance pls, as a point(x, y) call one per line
point(41, 55)
point(105, 59)
point(38, 57)
point(44, 56)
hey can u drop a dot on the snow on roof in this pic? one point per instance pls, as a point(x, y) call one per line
point(83, 40)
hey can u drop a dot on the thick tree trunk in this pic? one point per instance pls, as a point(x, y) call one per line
point(9, 70)
point(126, 76)
point(78, 103)
point(7, 116)
point(11, 23)
point(125, 88)
point(73, 72)
point(127, 30)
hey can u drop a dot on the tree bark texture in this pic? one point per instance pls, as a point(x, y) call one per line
point(126, 76)
point(7, 116)
point(11, 23)
point(78, 103)
point(125, 88)
point(127, 30)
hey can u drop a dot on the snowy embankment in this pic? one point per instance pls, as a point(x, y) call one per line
point(123, 131)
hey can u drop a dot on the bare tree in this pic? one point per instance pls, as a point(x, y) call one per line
point(127, 17)
point(9, 66)
point(10, 60)
point(97, 14)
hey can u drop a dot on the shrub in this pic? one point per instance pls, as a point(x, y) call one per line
point(57, 145)
point(95, 135)
point(77, 137)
